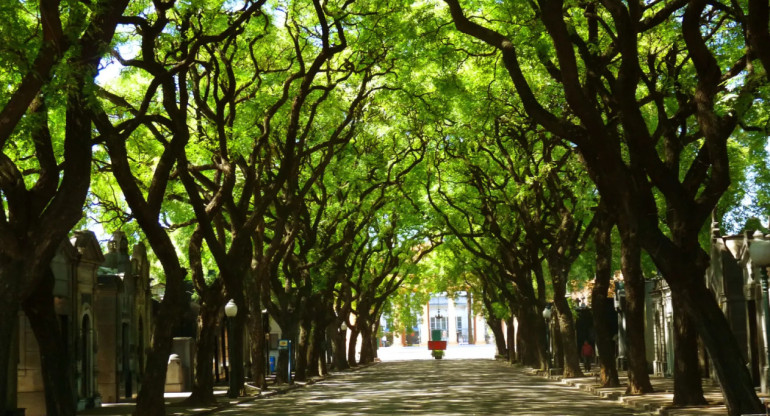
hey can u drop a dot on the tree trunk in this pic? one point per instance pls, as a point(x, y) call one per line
point(209, 323)
point(684, 275)
point(525, 348)
point(599, 303)
point(352, 347)
point(339, 356)
point(703, 358)
point(734, 377)
point(375, 339)
point(323, 355)
point(9, 320)
point(531, 337)
point(302, 350)
point(150, 401)
point(237, 362)
point(288, 331)
point(521, 343)
point(566, 334)
point(257, 333)
point(541, 327)
point(55, 363)
point(511, 347)
point(558, 345)
point(367, 355)
point(471, 323)
point(638, 379)
point(282, 367)
point(313, 359)
point(317, 352)
point(496, 326)
point(688, 386)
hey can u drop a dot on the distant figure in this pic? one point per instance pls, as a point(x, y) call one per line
point(587, 352)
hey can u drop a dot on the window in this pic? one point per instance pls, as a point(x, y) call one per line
point(438, 323)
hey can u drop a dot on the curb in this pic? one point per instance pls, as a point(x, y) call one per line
point(644, 403)
point(615, 396)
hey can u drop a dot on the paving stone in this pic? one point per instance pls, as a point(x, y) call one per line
point(449, 387)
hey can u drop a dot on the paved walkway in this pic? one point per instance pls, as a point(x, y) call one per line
point(408, 381)
point(659, 402)
point(436, 387)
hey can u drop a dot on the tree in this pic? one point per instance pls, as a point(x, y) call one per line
point(522, 202)
point(45, 171)
point(165, 123)
point(619, 101)
point(599, 295)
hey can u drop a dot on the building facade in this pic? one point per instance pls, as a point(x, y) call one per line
point(123, 306)
point(104, 309)
point(458, 322)
point(75, 274)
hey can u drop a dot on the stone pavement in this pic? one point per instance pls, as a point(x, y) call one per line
point(406, 382)
point(659, 403)
point(434, 387)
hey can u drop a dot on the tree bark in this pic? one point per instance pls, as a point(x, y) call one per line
point(534, 351)
point(684, 271)
point(724, 351)
point(288, 331)
point(496, 326)
point(150, 401)
point(600, 303)
point(237, 362)
point(521, 343)
point(688, 385)
point(209, 323)
point(525, 347)
point(9, 320)
point(317, 351)
point(302, 349)
point(632, 194)
point(375, 339)
point(257, 333)
point(339, 356)
point(367, 354)
point(638, 379)
point(566, 334)
point(352, 346)
point(511, 337)
point(558, 345)
point(39, 217)
point(55, 363)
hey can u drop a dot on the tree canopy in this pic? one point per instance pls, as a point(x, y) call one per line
point(337, 161)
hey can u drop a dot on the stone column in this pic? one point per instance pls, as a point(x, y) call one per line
point(649, 331)
point(765, 382)
point(480, 328)
point(452, 318)
point(425, 329)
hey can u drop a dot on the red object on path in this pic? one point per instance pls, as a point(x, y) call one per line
point(587, 350)
point(436, 345)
